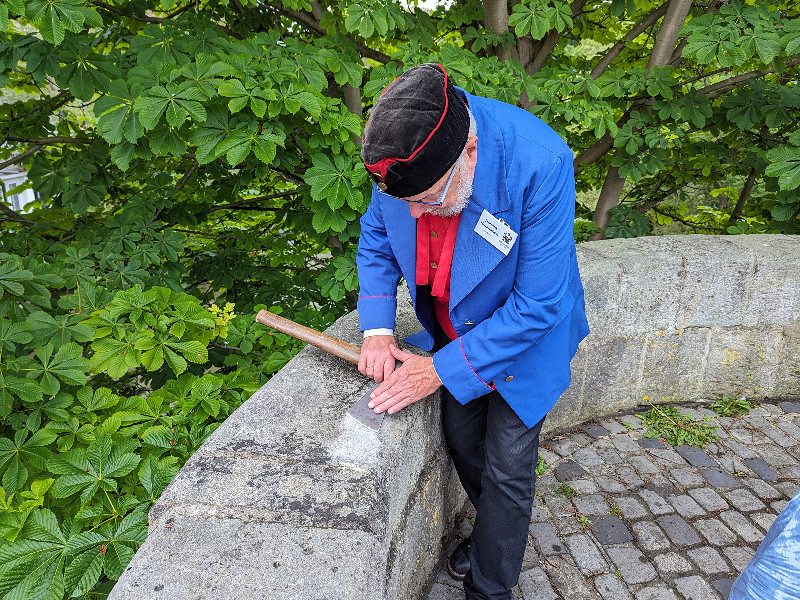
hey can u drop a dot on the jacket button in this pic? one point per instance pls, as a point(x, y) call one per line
point(434, 234)
point(510, 378)
point(434, 265)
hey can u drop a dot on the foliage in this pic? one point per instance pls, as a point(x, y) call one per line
point(197, 161)
point(104, 395)
point(541, 466)
point(566, 490)
point(731, 407)
point(583, 521)
point(667, 422)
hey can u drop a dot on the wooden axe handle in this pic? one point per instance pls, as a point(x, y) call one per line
point(349, 352)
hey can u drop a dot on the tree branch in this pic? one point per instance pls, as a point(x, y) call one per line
point(146, 19)
point(648, 204)
point(261, 208)
point(721, 87)
point(185, 179)
point(495, 19)
point(663, 49)
point(544, 52)
point(694, 226)
point(635, 32)
point(309, 21)
point(667, 38)
point(594, 152)
point(235, 349)
point(62, 97)
point(549, 43)
point(748, 186)
point(13, 215)
point(20, 157)
point(704, 76)
point(608, 199)
point(119, 11)
point(287, 176)
point(51, 140)
point(241, 203)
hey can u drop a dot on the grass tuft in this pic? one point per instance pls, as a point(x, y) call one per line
point(731, 407)
point(667, 422)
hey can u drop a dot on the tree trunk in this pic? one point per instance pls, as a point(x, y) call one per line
point(549, 44)
point(352, 101)
point(609, 198)
point(745, 193)
point(635, 32)
point(495, 17)
point(667, 37)
point(663, 48)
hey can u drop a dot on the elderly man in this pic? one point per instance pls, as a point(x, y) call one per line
point(473, 204)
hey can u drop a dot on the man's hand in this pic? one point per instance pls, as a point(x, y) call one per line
point(415, 380)
point(376, 361)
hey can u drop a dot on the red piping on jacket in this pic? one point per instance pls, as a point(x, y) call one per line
point(491, 387)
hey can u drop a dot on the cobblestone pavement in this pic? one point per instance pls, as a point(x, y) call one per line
point(648, 521)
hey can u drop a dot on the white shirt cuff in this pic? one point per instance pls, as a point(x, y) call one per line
point(371, 332)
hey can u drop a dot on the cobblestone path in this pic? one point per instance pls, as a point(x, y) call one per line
point(649, 521)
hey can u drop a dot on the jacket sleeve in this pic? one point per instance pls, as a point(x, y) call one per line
point(539, 299)
point(378, 272)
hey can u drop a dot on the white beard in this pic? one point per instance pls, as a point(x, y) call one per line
point(463, 194)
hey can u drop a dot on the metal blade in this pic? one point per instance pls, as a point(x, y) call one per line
point(364, 414)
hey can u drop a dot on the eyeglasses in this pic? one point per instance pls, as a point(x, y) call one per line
point(440, 201)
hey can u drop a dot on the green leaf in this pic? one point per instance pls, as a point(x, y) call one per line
point(98, 451)
point(533, 18)
point(236, 147)
point(24, 389)
point(117, 119)
point(784, 164)
point(15, 476)
point(10, 278)
point(49, 24)
point(150, 108)
point(3, 17)
point(265, 149)
point(158, 436)
point(783, 212)
point(84, 571)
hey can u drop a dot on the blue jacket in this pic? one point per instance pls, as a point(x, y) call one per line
point(519, 317)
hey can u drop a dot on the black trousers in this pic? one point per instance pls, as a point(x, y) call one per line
point(495, 455)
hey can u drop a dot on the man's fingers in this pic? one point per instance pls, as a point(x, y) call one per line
point(389, 388)
point(362, 362)
point(390, 403)
point(387, 367)
point(400, 405)
point(401, 355)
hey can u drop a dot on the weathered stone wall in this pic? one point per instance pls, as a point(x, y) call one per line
point(685, 318)
point(289, 499)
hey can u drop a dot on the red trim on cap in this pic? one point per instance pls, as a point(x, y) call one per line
point(380, 167)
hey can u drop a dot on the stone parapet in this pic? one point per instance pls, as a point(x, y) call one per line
point(291, 499)
point(685, 318)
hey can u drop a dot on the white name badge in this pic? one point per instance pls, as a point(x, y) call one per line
point(496, 232)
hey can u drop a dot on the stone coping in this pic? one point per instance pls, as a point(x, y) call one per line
point(290, 499)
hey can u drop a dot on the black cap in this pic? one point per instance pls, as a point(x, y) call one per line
point(416, 131)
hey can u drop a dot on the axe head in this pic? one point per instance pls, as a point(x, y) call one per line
point(363, 414)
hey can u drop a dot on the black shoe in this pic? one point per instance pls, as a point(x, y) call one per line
point(458, 563)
